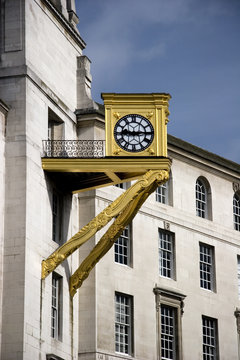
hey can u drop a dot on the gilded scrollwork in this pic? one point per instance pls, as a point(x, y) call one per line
point(117, 151)
point(167, 113)
point(116, 115)
point(149, 115)
point(151, 151)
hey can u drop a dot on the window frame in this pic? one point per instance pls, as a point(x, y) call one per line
point(162, 193)
point(208, 344)
point(126, 328)
point(166, 255)
point(169, 299)
point(236, 211)
point(56, 306)
point(201, 199)
point(203, 265)
point(120, 247)
point(168, 332)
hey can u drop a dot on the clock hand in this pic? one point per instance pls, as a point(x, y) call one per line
point(133, 133)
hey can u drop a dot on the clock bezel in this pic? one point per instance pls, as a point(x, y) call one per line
point(134, 150)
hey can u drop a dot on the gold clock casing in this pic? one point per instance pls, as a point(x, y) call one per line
point(152, 106)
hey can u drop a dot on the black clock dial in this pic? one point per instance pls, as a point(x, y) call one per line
point(133, 133)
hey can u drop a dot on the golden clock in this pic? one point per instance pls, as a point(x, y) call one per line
point(136, 124)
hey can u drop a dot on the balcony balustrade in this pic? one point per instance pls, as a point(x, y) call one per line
point(73, 149)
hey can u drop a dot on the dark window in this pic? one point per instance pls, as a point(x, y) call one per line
point(56, 217)
point(122, 247)
point(124, 185)
point(123, 323)
point(162, 193)
point(169, 311)
point(206, 266)
point(201, 199)
point(210, 338)
point(168, 333)
point(236, 212)
point(56, 316)
point(166, 254)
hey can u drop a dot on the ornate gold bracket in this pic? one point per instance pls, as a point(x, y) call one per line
point(125, 208)
point(114, 231)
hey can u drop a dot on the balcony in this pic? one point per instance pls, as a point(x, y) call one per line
point(80, 165)
point(73, 149)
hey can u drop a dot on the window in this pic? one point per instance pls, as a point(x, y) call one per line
point(168, 333)
point(162, 193)
point(238, 272)
point(56, 306)
point(166, 254)
point(123, 323)
point(124, 185)
point(169, 311)
point(55, 126)
point(206, 267)
point(56, 217)
point(236, 212)
point(201, 199)
point(53, 357)
point(210, 338)
point(122, 247)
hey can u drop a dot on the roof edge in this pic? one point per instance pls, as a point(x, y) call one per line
point(204, 154)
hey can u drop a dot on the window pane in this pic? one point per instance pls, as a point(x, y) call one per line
point(56, 306)
point(168, 333)
point(206, 266)
point(123, 320)
point(201, 199)
point(209, 329)
point(165, 249)
point(122, 247)
point(162, 193)
point(236, 212)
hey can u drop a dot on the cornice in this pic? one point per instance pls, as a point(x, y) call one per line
point(175, 144)
point(74, 34)
point(168, 293)
point(116, 164)
point(91, 111)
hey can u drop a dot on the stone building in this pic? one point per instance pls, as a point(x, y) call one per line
point(169, 289)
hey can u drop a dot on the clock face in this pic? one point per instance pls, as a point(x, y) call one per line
point(133, 133)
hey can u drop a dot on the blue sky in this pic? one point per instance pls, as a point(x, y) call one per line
point(188, 48)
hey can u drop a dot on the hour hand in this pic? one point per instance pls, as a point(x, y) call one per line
point(133, 133)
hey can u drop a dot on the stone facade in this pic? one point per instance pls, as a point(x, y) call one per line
point(38, 78)
point(142, 276)
point(45, 87)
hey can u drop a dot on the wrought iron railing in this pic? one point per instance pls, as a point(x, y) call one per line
point(74, 148)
